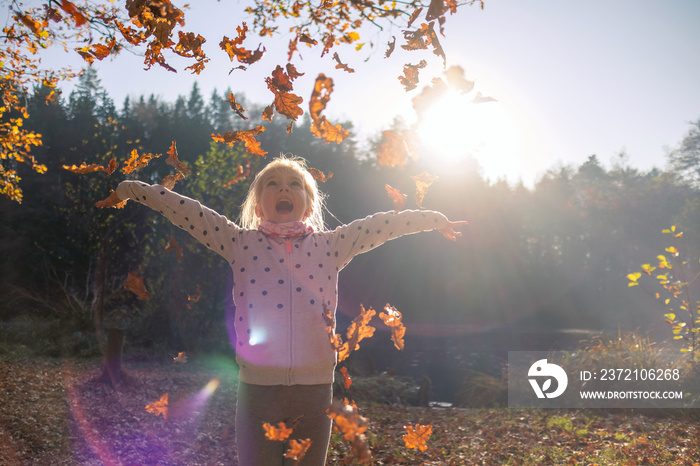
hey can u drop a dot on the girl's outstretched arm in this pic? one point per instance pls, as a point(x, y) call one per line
point(449, 232)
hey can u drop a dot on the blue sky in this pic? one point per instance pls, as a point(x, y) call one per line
point(572, 79)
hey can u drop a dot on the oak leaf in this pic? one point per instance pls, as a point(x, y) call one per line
point(241, 174)
point(159, 407)
point(236, 107)
point(245, 136)
point(340, 65)
point(297, 449)
point(392, 318)
point(234, 50)
point(397, 197)
point(358, 330)
point(137, 161)
point(391, 46)
point(348, 421)
point(423, 182)
point(135, 284)
point(280, 433)
point(181, 358)
point(169, 180)
point(85, 168)
point(410, 75)
point(395, 149)
point(173, 161)
point(347, 381)
point(173, 246)
point(319, 175)
point(417, 436)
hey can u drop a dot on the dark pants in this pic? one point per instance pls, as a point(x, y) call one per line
point(258, 404)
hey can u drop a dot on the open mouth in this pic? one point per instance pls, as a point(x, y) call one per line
point(284, 206)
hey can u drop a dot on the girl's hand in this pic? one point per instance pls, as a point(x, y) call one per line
point(449, 232)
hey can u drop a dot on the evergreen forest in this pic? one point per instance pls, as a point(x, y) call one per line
point(545, 258)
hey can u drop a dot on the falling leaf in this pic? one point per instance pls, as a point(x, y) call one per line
point(173, 246)
point(456, 80)
point(358, 330)
point(195, 297)
point(169, 180)
point(112, 201)
point(236, 107)
point(297, 449)
point(395, 149)
point(392, 318)
point(417, 436)
point(286, 103)
point(348, 421)
point(92, 168)
point(319, 175)
point(391, 46)
point(340, 65)
point(398, 198)
point(347, 381)
point(320, 127)
point(245, 136)
point(181, 358)
point(242, 173)
point(423, 182)
point(410, 75)
point(173, 161)
point(414, 16)
point(280, 433)
point(234, 50)
point(159, 407)
point(137, 162)
point(135, 284)
point(480, 98)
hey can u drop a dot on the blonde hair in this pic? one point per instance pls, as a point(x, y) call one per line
point(248, 218)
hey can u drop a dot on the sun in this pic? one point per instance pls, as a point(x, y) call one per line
point(455, 127)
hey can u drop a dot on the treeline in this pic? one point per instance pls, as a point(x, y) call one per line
point(553, 256)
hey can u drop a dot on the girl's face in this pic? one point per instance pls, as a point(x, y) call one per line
point(283, 197)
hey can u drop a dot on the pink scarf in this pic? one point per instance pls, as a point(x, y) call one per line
point(285, 230)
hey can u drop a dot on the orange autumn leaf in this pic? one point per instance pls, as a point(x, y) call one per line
point(235, 106)
point(320, 126)
point(111, 201)
point(325, 130)
point(181, 358)
point(395, 149)
point(85, 168)
point(280, 433)
point(319, 175)
point(340, 65)
point(280, 83)
point(348, 421)
point(159, 407)
point(397, 197)
point(297, 449)
point(170, 180)
point(423, 182)
point(195, 297)
point(136, 161)
point(347, 381)
point(358, 330)
point(240, 174)
point(173, 246)
point(135, 284)
point(234, 50)
point(245, 136)
point(173, 161)
point(417, 436)
point(409, 80)
point(392, 318)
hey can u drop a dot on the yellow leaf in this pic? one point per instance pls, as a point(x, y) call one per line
point(159, 407)
point(634, 277)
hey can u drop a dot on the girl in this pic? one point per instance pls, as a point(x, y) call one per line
point(285, 267)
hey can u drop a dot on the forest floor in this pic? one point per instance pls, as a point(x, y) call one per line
point(52, 411)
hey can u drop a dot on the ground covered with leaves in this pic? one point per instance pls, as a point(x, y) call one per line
point(54, 412)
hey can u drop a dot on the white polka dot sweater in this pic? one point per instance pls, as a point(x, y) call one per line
point(282, 285)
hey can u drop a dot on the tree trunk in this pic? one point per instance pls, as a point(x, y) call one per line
point(112, 372)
